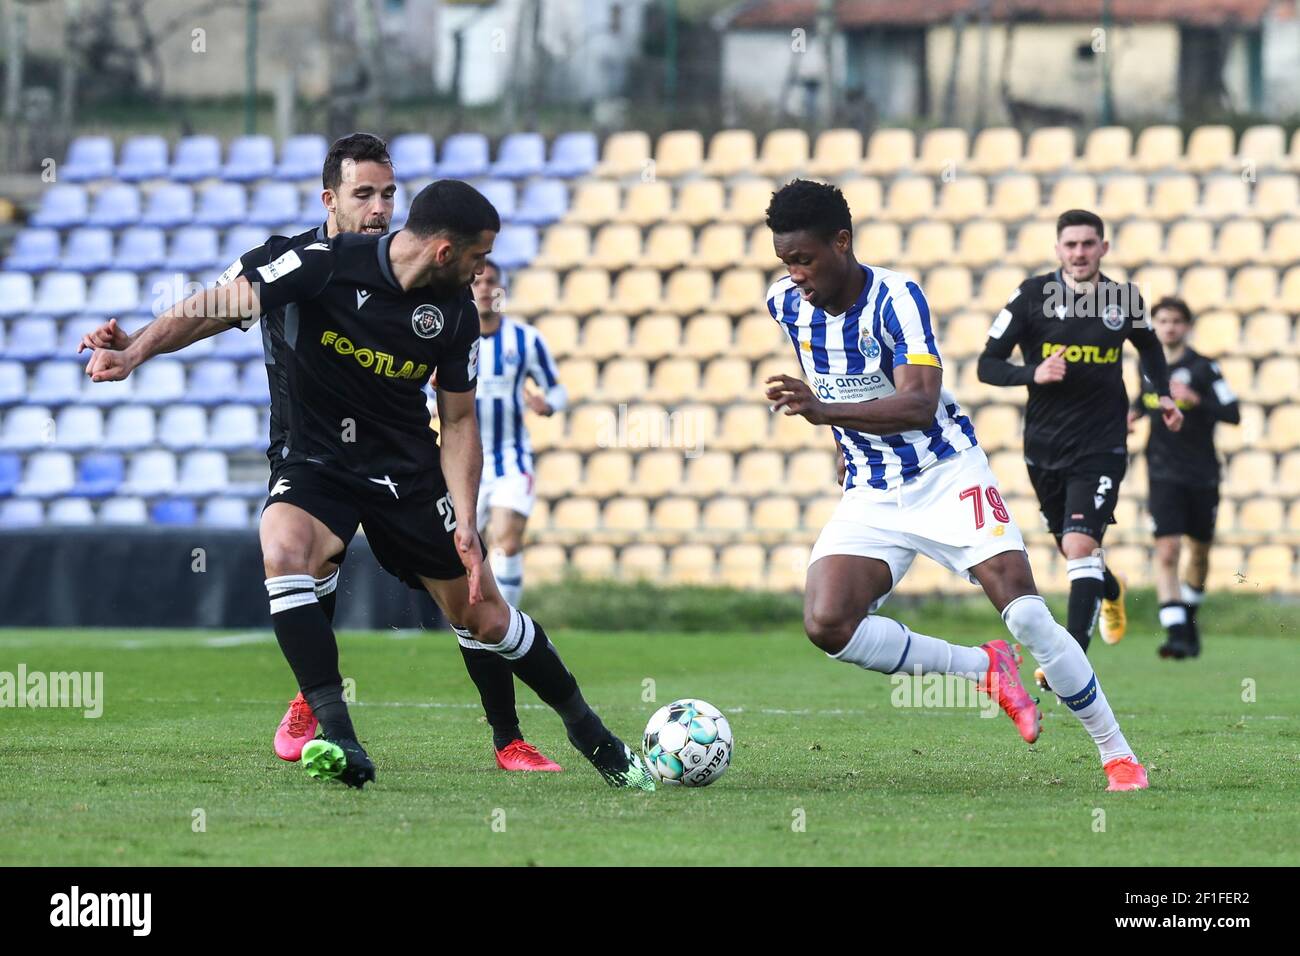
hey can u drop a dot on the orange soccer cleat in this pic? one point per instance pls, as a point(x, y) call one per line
point(521, 755)
point(1003, 680)
point(296, 730)
point(1125, 773)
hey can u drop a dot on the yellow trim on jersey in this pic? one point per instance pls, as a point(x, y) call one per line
point(922, 358)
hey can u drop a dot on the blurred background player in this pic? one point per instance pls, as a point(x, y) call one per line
point(1183, 473)
point(1071, 326)
point(917, 481)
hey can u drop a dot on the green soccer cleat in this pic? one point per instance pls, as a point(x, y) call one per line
point(621, 768)
point(341, 760)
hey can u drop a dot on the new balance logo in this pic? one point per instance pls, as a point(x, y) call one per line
point(362, 296)
point(281, 486)
point(387, 483)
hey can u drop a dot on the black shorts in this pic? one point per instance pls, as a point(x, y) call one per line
point(1080, 498)
point(409, 522)
point(1178, 509)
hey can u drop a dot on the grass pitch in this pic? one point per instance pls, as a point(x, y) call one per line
point(825, 771)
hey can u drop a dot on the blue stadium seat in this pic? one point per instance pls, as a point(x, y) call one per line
point(160, 382)
point(89, 157)
point(238, 346)
point(224, 513)
point(99, 475)
point(274, 205)
point(27, 428)
point(520, 155)
point(169, 206)
point(57, 382)
point(143, 157)
point(174, 511)
point(130, 427)
point(60, 293)
point(150, 473)
point(21, 513)
point(222, 204)
point(544, 201)
point(113, 293)
point(115, 206)
point(4, 339)
point(11, 469)
point(302, 157)
point(70, 333)
point(181, 427)
point(204, 473)
point(241, 239)
point(412, 155)
point(163, 288)
point(78, 428)
point(88, 250)
point(214, 382)
point(17, 293)
point(61, 207)
point(70, 512)
point(249, 158)
point(140, 249)
point(464, 156)
point(34, 250)
point(33, 339)
point(515, 246)
point(573, 154)
point(501, 194)
point(107, 393)
point(194, 248)
point(13, 383)
point(235, 428)
point(197, 157)
point(48, 474)
point(125, 510)
point(253, 386)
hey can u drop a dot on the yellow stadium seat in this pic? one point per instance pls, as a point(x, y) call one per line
point(678, 152)
point(1049, 150)
point(691, 564)
point(688, 291)
point(943, 152)
point(929, 243)
point(1158, 148)
point(1227, 567)
point(658, 472)
point(1133, 562)
point(964, 382)
point(1209, 148)
point(910, 198)
point(1225, 197)
point(863, 196)
point(947, 289)
point(1250, 473)
point(593, 562)
point(1248, 434)
point(1293, 520)
point(759, 252)
point(637, 291)
point(625, 154)
point(879, 242)
point(742, 566)
point(963, 336)
point(676, 380)
point(721, 245)
point(533, 291)
point(694, 427)
point(1009, 466)
point(609, 472)
point(995, 289)
point(792, 432)
point(595, 201)
point(982, 243)
point(963, 198)
point(817, 512)
point(1174, 197)
point(699, 201)
point(572, 514)
point(1266, 333)
point(626, 516)
point(646, 203)
point(558, 472)
point(726, 514)
point(785, 151)
point(997, 149)
point(1254, 287)
point(1288, 472)
point(564, 246)
point(544, 563)
point(744, 426)
point(616, 247)
point(547, 431)
point(586, 291)
point(782, 364)
point(1217, 333)
point(1276, 197)
point(1137, 243)
point(787, 567)
point(837, 151)
point(604, 337)
point(726, 380)
point(675, 514)
point(1034, 244)
point(705, 336)
point(1204, 287)
point(642, 562)
point(560, 332)
point(758, 336)
point(1262, 147)
point(655, 336)
point(998, 427)
point(740, 291)
point(668, 246)
point(1277, 380)
point(1269, 567)
point(1282, 433)
point(779, 514)
point(890, 151)
point(1107, 148)
point(1240, 242)
point(731, 152)
point(749, 201)
point(1156, 282)
point(759, 473)
point(1015, 198)
point(1293, 157)
point(1073, 192)
point(1123, 197)
point(591, 426)
point(1289, 295)
point(1188, 242)
point(812, 472)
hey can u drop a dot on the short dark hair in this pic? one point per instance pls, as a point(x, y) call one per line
point(802, 204)
point(453, 207)
point(1175, 303)
point(358, 147)
point(1080, 217)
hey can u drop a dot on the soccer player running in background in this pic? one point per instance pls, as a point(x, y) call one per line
point(357, 191)
point(374, 316)
point(1183, 473)
point(1071, 326)
point(917, 481)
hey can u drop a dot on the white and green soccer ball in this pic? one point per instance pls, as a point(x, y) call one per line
point(688, 742)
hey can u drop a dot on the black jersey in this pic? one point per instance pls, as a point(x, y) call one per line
point(356, 351)
point(1086, 413)
point(1187, 456)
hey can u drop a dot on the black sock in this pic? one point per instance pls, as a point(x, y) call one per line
point(1176, 622)
point(495, 680)
point(327, 605)
point(1110, 589)
point(1085, 601)
point(308, 644)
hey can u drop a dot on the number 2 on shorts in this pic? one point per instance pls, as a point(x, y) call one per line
point(994, 497)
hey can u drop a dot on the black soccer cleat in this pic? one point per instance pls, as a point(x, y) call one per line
point(619, 766)
point(343, 760)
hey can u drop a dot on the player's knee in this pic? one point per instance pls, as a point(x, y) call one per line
point(828, 628)
point(280, 557)
point(1167, 552)
point(488, 622)
point(1031, 623)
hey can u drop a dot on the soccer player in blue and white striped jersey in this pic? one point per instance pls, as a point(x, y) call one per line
point(916, 480)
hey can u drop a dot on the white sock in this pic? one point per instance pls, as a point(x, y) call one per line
point(508, 569)
point(327, 584)
point(1068, 671)
point(883, 644)
point(290, 590)
point(1191, 595)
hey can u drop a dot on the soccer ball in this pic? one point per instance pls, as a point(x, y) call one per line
point(688, 742)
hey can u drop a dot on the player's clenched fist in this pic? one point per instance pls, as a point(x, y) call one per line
point(105, 365)
point(794, 395)
point(106, 336)
point(1050, 369)
point(1170, 414)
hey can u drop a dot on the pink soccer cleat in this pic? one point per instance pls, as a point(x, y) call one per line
point(521, 755)
point(1125, 773)
point(1003, 679)
point(297, 728)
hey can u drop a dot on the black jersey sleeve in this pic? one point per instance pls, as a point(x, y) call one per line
point(1217, 397)
point(1004, 335)
point(458, 367)
point(284, 273)
point(1151, 354)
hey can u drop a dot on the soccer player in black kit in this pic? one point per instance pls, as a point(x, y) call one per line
point(1071, 326)
point(376, 316)
point(1183, 473)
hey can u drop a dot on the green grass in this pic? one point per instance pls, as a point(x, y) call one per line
point(188, 725)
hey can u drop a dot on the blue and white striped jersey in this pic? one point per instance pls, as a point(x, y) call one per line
point(852, 357)
point(515, 352)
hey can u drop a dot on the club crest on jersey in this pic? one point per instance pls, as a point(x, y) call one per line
point(1113, 317)
point(427, 321)
point(1183, 376)
point(868, 344)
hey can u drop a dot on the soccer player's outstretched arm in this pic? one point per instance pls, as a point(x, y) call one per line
point(1004, 335)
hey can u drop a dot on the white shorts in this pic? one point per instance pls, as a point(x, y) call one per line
point(512, 492)
point(937, 514)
